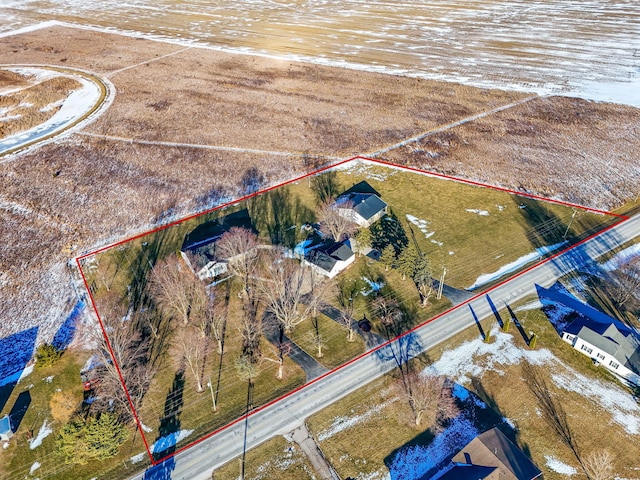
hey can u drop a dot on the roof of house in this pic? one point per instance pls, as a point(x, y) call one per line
point(493, 449)
point(461, 471)
point(362, 187)
point(211, 231)
point(612, 338)
point(5, 424)
point(326, 254)
point(364, 204)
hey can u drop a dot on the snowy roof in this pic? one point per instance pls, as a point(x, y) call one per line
point(493, 449)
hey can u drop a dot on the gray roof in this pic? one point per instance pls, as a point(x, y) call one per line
point(327, 254)
point(460, 471)
point(364, 204)
point(612, 338)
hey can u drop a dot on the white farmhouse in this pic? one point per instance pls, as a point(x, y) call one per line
point(611, 345)
point(328, 257)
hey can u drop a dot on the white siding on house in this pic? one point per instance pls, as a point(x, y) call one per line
point(604, 359)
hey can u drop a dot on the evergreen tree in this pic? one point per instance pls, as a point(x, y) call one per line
point(422, 276)
point(388, 257)
point(407, 260)
point(363, 238)
point(95, 438)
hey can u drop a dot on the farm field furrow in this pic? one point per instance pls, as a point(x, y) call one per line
point(588, 49)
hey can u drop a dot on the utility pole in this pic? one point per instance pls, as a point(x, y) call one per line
point(573, 215)
point(441, 284)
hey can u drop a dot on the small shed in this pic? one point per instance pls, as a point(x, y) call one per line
point(6, 431)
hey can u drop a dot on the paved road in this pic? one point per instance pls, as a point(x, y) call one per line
point(287, 414)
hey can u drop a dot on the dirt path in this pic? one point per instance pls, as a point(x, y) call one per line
point(448, 126)
point(201, 146)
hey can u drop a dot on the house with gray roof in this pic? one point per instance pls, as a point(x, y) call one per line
point(490, 456)
point(199, 246)
point(607, 341)
point(327, 257)
point(611, 345)
point(361, 204)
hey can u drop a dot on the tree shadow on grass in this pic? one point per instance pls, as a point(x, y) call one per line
point(16, 351)
point(170, 422)
point(19, 409)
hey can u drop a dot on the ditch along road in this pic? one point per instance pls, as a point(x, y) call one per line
point(290, 412)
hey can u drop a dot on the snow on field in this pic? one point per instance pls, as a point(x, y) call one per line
point(413, 462)
point(138, 458)
point(475, 357)
point(421, 224)
point(513, 266)
point(373, 286)
point(169, 441)
point(482, 213)
point(34, 467)
point(560, 467)
point(621, 257)
point(44, 432)
point(344, 422)
point(78, 103)
point(539, 46)
point(624, 409)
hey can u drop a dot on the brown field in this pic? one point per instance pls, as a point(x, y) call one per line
point(225, 114)
point(33, 104)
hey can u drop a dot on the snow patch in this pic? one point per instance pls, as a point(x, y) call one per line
point(343, 423)
point(621, 257)
point(421, 224)
point(482, 213)
point(44, 432)
point(169, 441)
point(138, 458)
point(559, 467)
point(513, 266)
point(34, 467)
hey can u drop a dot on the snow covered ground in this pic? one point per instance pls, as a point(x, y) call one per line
point(77, 104)
point(513, 266)
point(585, 48)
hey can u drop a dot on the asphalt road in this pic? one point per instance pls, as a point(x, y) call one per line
point(198, 461)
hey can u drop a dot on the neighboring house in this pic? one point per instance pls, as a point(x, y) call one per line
point(327, 257)
point(602, 338)
point(6, 429)
point(611, 345)
point(199, 246)
point(362, 204)
point(491, 456)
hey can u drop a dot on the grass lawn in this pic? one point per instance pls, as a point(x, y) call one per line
point(469, 230)
point(276, 458)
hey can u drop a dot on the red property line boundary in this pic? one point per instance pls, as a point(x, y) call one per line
point(622, 218)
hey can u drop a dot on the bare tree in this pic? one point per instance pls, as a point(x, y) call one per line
point(333, 223)
point(216, 318)
point(177, 291)
point(347, 292)
point(250, 328)
point(190, 350)
point(283, 289)
point(598, 465)
point(429, 397)
point(552, 410)
point(239, 246)
point(123, 357)
point(627, 279)
point(318, 343)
